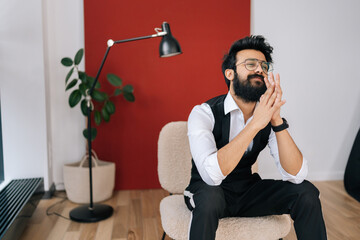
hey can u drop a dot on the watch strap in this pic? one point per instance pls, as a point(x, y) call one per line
point(280, 127)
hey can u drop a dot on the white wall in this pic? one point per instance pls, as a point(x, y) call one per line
point(316, 51)
point(40, 131)
point(64, 35)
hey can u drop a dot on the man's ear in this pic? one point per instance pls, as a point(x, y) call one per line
point(229, 74)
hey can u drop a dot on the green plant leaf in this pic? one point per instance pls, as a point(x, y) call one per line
point(82, 76)
point(91, 82)
point(129, 97)
point(74, 98)
point(110, 107)
point(97, 117)
point(78, 56)
point(69, 75)
point(83, 107)
point(99, 96)
point(89, 79)
point(93, 133)
point(67, 62)
point(128, 89)
point(114, 80)
point(83, 87)
point(117, 92)
point(105, 114)
point(71, 84)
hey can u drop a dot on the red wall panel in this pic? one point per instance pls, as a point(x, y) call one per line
point(166, 89)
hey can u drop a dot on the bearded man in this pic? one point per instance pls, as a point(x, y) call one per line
point(226, 135)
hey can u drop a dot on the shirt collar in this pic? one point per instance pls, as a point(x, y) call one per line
point(230, 104)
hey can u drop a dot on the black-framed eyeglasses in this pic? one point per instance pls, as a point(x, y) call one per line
point(252, 63)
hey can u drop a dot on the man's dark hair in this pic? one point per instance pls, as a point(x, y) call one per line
point(251, 42)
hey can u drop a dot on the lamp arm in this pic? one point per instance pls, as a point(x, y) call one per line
point(158, 34)
point(110, 43)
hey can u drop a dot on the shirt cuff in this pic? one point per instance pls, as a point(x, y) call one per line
point(299, 177)
point(212, 169)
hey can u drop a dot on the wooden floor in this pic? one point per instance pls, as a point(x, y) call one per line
point(136, 216)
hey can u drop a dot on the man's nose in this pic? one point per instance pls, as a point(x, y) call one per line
point(259, 69)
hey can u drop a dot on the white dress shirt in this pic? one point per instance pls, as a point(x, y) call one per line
point(203, 147)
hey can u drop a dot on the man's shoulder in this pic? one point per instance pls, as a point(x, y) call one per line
point(216, 100)
point(206, 109)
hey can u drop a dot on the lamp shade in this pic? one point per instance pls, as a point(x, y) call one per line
point(169, 46)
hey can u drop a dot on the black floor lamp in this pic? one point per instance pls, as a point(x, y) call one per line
point(169, 46)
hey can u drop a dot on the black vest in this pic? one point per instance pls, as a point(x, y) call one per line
point(241, 176)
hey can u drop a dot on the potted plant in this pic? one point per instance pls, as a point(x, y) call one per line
point(82, 82)
point(76, 175)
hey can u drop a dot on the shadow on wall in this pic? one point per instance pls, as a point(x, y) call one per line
point(352, 176)
point(351, 131)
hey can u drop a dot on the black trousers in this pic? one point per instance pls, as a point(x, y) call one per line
point(263, 197)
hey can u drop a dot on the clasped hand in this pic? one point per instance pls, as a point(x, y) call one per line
point(268, 108)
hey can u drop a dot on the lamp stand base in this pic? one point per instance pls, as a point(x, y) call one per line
point(97, 213)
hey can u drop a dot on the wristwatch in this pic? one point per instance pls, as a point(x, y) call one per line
point(281, 127)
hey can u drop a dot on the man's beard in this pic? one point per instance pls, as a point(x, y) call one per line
point(246, 91)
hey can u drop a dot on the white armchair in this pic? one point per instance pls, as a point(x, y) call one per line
point(174, 168)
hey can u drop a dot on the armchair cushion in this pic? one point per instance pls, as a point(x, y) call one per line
point(175, 219)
